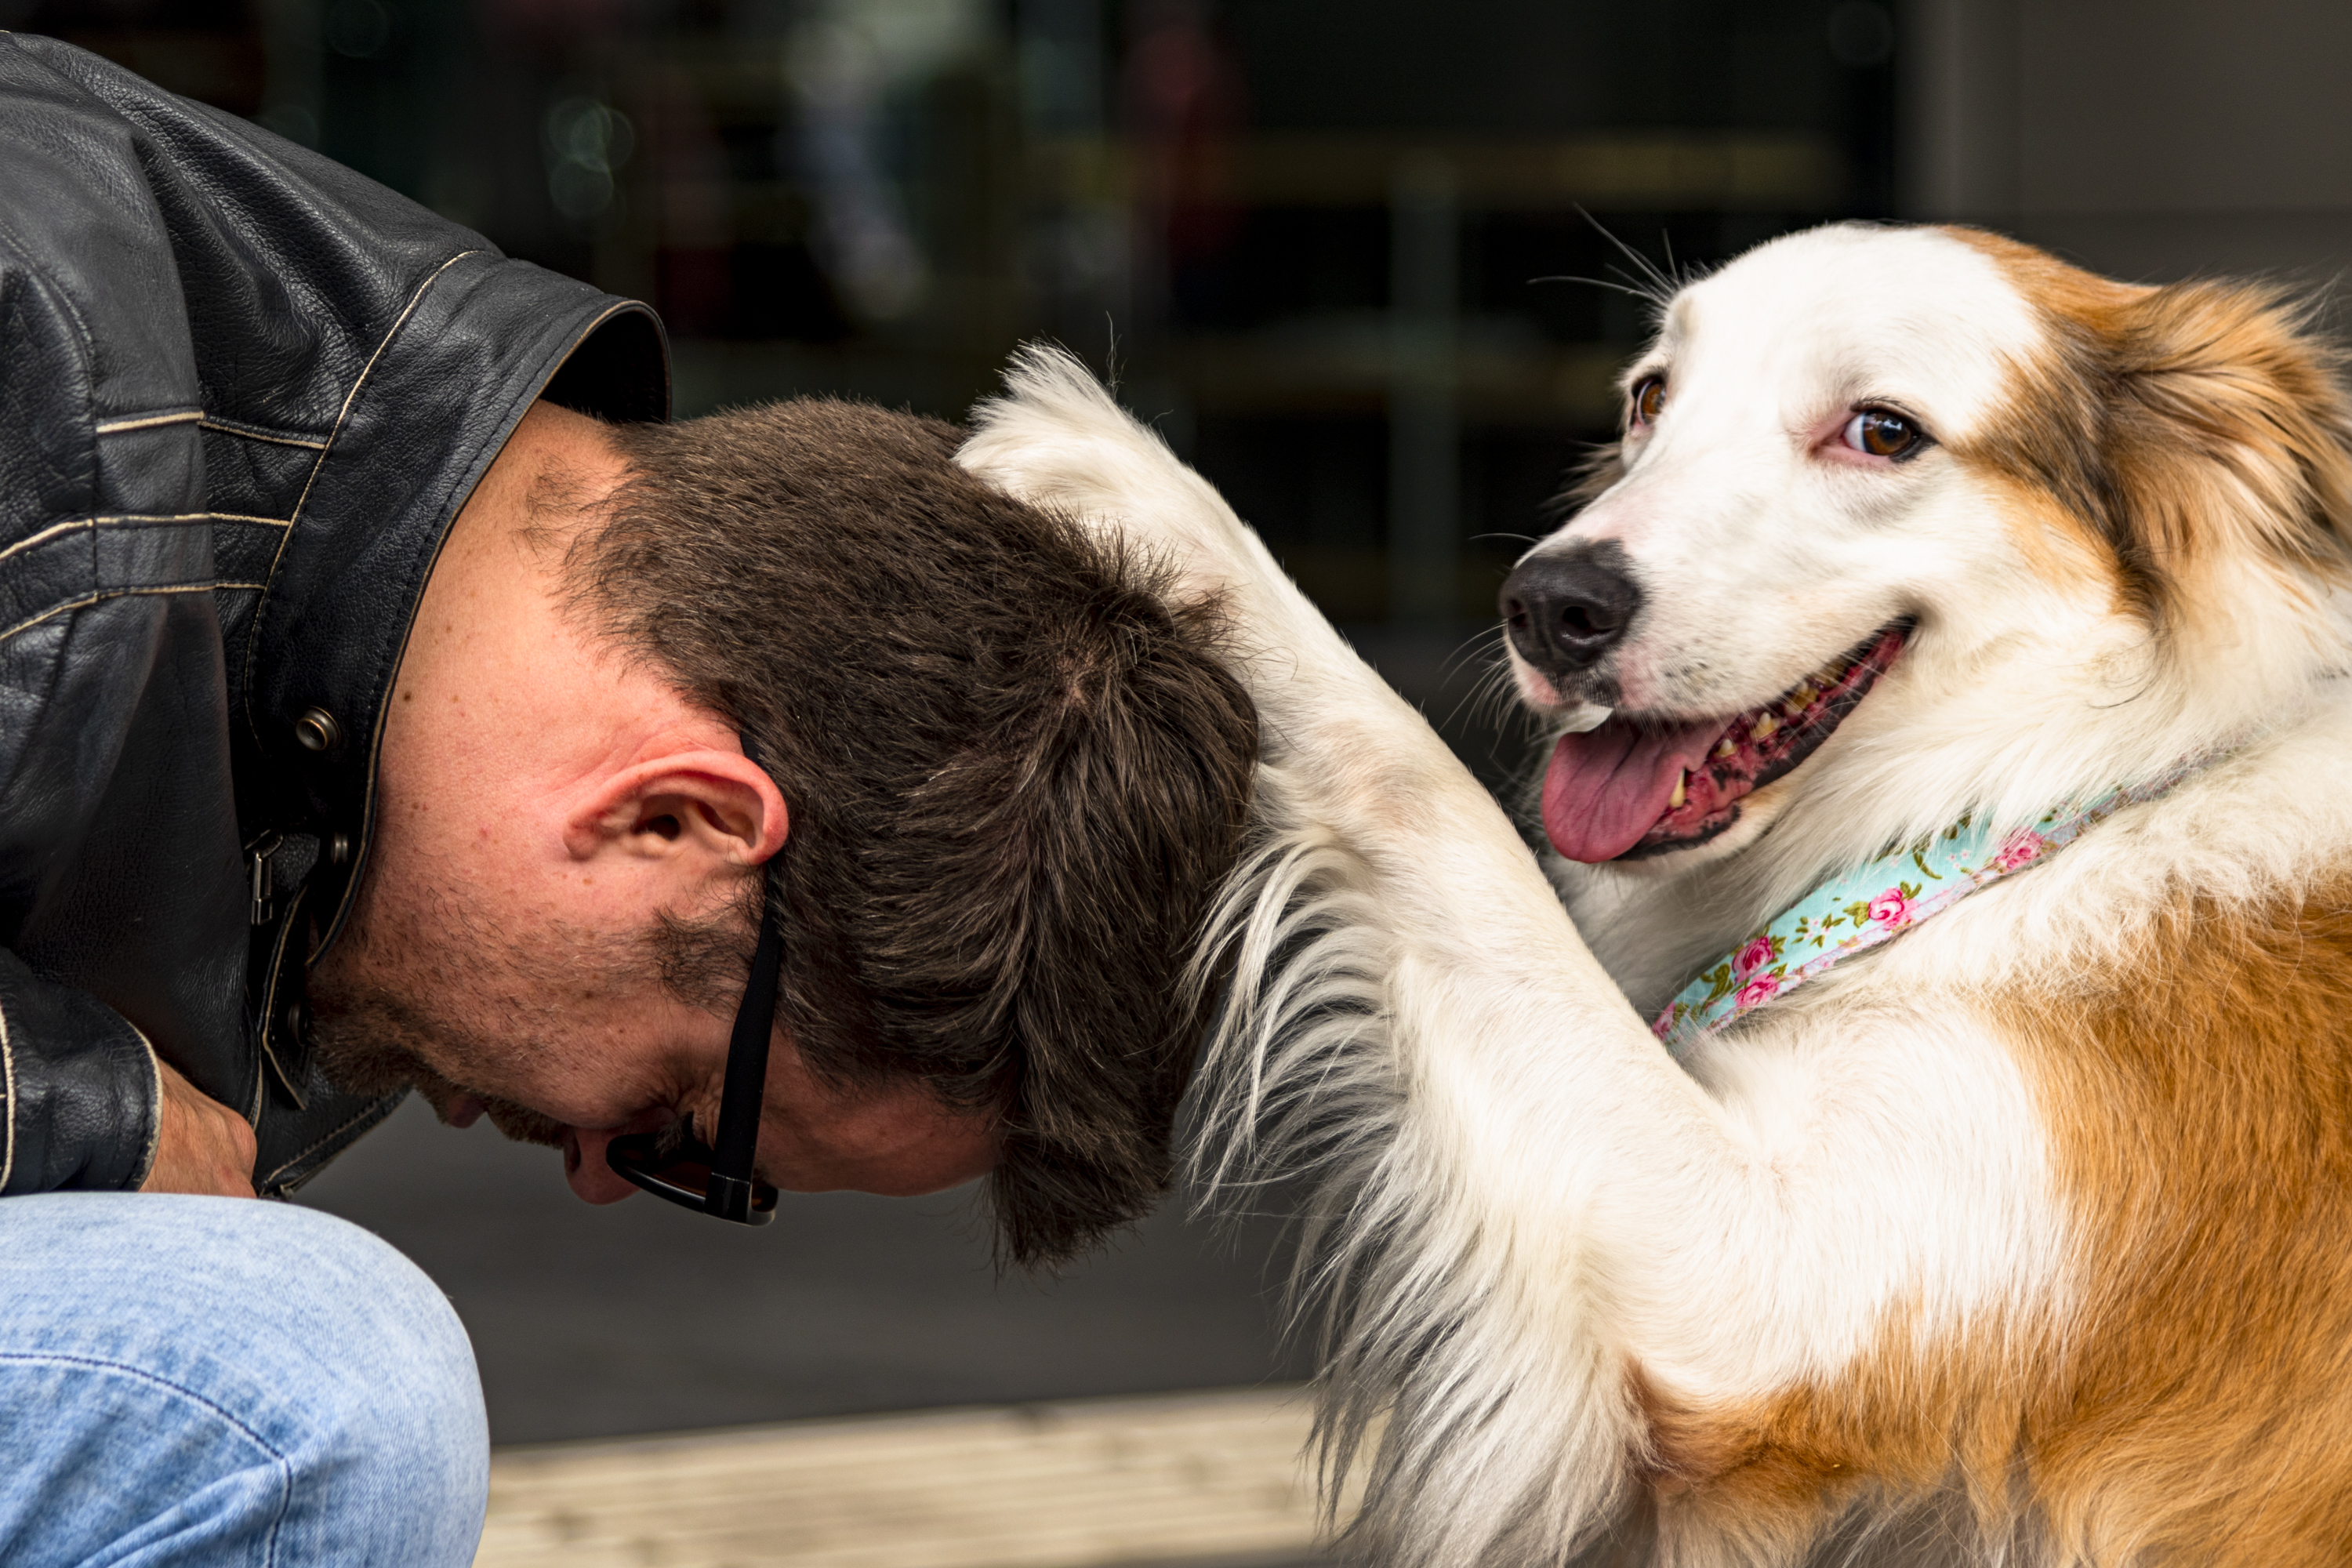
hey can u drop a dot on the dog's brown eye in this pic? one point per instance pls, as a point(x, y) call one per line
point(1649, 399)
point(1883, 433)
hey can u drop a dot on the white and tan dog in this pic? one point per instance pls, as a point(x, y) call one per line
point(2025, 1238)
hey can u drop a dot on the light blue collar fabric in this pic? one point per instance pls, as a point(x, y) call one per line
point(1878, 901)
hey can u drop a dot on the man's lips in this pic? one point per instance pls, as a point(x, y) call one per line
point(1631, 788)
point(584, 1166)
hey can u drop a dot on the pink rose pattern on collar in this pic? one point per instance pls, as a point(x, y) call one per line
point(1877, 902)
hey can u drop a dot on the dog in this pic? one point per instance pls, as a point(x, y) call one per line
point(2013, 1228)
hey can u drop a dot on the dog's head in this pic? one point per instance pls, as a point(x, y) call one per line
point(1935, 498)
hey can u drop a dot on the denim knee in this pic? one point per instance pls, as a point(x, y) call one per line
point(399, 1411)
point(339, 1387)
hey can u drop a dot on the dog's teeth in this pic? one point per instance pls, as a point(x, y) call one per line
point(1794, 708)
point(1682, 791)
point(1764, 728)
point(1727, 749)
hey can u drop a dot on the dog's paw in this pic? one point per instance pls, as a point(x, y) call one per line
point(1057, 439)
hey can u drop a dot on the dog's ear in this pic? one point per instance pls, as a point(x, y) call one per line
point(2224, 433)
point(2184, 427)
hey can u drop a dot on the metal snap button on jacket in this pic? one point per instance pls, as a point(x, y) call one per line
point(318, 730)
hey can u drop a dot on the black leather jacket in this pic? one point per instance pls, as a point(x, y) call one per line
point(243, 392)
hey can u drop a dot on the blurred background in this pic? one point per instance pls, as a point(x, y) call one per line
point(1321, 243)
point(1306, 234)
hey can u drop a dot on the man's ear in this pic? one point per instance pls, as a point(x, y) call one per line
point(719, 804)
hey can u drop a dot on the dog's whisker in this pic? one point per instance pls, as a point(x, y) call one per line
point(1631, 290)
point(1471, 647)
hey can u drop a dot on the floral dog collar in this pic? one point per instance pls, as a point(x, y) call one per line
point(1876, 903)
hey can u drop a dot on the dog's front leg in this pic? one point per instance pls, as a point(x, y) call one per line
point(1560, 1266)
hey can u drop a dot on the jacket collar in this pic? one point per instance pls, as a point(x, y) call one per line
point(480, 340)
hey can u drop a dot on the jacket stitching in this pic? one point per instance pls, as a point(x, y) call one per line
point(58, 530)
point(253, 1096)
point(67, 306)
point(260, 614)
point(275, 972)
point(85, 600)
point(148, 422)
point(155, 1138)
point(341, 1127)
point(8, 1081)
point(344, 413)
point(256, 433)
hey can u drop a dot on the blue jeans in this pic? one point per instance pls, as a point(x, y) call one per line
point(225, 1380)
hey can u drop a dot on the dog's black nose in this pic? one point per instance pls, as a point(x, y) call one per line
point(1565, 611)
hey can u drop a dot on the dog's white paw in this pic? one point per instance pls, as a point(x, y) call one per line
point(1057, 439)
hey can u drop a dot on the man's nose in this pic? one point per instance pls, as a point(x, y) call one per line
point(1565, 611)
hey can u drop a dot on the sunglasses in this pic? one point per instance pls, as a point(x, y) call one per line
point(673, 1164)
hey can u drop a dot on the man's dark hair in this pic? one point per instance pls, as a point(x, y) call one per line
point(1016, 776)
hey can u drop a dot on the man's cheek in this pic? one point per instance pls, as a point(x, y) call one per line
point(360, 1054)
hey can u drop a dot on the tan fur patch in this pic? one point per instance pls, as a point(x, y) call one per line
point(2200, 1105)
point(2181, 427)
point(2196, 1405)
point(2055, 543)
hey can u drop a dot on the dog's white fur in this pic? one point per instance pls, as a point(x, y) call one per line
point(1535, 1228)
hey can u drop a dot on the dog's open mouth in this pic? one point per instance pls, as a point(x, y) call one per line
point(1632, 787)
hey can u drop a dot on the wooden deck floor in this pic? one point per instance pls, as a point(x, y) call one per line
point(1185, 1479)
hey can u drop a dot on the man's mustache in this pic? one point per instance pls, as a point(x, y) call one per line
point(521, 1123)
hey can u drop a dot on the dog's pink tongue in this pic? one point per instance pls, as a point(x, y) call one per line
point(1607, 787)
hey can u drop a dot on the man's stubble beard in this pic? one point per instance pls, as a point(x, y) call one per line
point(376, 1044)
point(419, 991)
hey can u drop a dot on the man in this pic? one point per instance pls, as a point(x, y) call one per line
point(386, 698)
